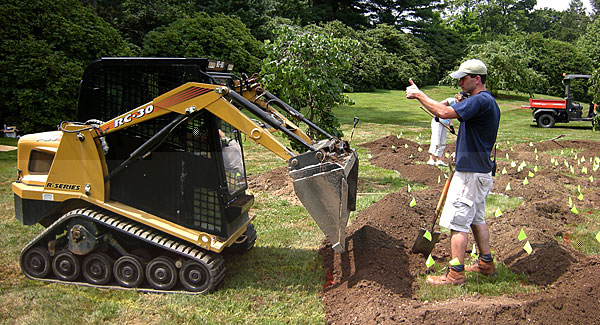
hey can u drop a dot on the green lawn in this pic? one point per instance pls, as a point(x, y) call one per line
point(281, 279)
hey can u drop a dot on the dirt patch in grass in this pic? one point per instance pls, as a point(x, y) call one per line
point(375, 281)
point(378, 284)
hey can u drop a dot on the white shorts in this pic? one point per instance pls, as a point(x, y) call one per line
point(465, 203)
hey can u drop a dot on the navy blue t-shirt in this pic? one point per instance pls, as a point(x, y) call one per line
point(479, 117)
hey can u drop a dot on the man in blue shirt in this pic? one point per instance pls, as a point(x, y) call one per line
point(465, 205)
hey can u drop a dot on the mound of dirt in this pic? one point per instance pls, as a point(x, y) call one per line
point(375, 280)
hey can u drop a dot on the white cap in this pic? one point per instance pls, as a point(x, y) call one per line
point(473, 66)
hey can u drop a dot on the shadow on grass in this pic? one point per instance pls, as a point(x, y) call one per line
point(274, 268)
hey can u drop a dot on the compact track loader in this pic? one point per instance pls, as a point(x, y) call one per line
point(149, 190)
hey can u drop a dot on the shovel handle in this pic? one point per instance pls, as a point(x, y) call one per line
point(442, 200)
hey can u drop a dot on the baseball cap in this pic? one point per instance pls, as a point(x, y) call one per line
point(473, 66)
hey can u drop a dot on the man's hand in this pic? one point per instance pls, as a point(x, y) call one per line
point(412, 91)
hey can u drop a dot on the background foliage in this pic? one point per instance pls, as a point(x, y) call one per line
point(46, 45)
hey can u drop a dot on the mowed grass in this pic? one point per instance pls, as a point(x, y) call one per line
point(281, 279)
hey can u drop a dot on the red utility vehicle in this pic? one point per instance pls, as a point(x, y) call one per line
point(547, 112)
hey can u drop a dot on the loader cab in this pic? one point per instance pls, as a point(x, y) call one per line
point(196, 177)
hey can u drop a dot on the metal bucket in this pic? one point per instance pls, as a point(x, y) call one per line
point(327, 186)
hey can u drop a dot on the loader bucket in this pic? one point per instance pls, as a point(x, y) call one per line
point(327, 189)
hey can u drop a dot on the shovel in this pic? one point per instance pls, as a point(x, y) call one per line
point(423, 244)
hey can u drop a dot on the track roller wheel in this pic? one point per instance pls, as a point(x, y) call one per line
point(128, 271)
point(36, 262)
point(194, 276)
point(97, 268)
point(161, 273)
point(66, 266)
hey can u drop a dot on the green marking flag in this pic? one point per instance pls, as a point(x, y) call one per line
point(562, 152)
point(507, 156)
point(504, 170)
point(570, 202)
point(552, 160)
point(474, 251)
point(530, 174)
point(574, 209)
point(525, 181)
point(584, 170)
point(408, 188)
point(591, 179)
point(535, 150)
point(579, 188)
point(572, 170)
point(429, 261)
point(419, 149)
point(527, 247)
point(427, 235)
point(507, 187)
point(439, 179)
point(536, 157)
point(413, 202)
point(513, 164)
point(556, 163)
point(522, 235)
point(531, 144)
point(498, 212)
point(406, 146)
point(535, 169)
point(566, 163)
point(447, 155)
point(598, 236)
point(393, 147)
point(580, 196)
point(455, 261)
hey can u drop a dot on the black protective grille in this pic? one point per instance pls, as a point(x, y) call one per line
point(207, 211)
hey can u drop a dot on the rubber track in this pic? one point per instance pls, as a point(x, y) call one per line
point(139, 231)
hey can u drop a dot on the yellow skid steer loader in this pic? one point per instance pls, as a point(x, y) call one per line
point(151, 188)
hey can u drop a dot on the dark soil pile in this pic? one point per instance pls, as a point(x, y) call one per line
point(375, 281)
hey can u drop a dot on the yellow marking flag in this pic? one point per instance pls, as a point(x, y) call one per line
point(522, 235)
point(427, 235)
point(455, 261)
point(527, 247)
point(413, 202)
point(498, 212)
point(474, 251)
point(429, 261)
point(580, 196)
point(574, 209)
point(598, 236)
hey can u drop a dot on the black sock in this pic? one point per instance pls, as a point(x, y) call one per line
point(486, 257)
point(458, 268)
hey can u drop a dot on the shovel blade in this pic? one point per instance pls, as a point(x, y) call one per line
point(328, 192)
point(424, 245)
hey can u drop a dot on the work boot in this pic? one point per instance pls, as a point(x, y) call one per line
point(485, 268)
point(451, 277)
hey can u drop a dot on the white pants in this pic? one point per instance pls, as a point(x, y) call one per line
point(438, 138)
point(465, 204)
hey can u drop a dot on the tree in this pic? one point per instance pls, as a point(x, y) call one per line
point(303, 66)
point(45, 46)
point(508, 67)
point(493, 17)
point(589, 42)
point(573, 22)
point(217, 36)
point(254, 14)
point(404, 14)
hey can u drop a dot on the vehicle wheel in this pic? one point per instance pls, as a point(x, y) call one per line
point(66, 266)
point(36, 262)
point(128, 271)
point(545, 121)
point(161, 273)
point(194, 276)
point(97, 268)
